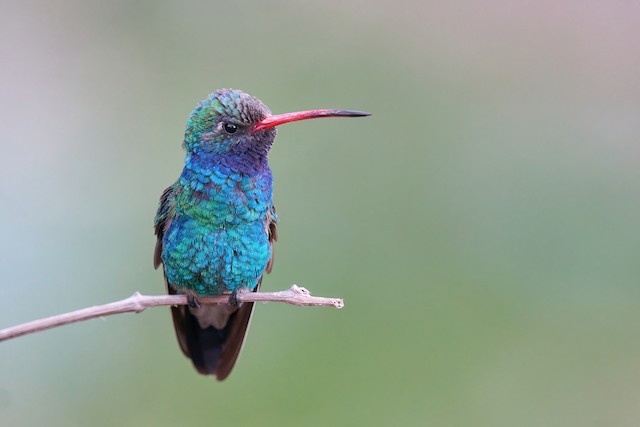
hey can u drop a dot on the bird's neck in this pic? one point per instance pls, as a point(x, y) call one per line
point(246, 163)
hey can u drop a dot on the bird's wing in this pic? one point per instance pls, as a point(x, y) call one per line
point(164, 216)
point(272, 231)
point(166, 211)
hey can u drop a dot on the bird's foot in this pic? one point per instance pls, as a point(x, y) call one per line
point(233, 299)
point(193, 302)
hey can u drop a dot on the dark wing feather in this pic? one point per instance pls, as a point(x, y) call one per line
point(179, 315)
point(238, 326)
point(272, 221)
point(166, 211)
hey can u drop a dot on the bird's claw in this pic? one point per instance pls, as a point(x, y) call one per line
point(233, 299)
point(193, 302)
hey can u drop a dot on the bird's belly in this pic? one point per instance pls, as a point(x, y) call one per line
point(210, 260)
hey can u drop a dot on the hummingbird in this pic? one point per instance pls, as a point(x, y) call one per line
point(216, 225)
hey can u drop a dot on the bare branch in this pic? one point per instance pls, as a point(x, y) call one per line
point(138, 302)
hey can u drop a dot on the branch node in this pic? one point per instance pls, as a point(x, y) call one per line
point(299, 290)
point(137, 300)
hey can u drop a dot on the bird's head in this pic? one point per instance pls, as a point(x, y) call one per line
point(224, 122)
point(231, 123)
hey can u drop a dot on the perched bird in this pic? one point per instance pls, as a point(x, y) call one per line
point(216, 225)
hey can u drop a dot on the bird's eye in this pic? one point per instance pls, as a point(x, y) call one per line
point(230, 128)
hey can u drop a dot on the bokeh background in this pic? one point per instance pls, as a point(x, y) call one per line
point(482, 225)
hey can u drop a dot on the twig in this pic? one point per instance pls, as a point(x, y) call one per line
point(138, 302)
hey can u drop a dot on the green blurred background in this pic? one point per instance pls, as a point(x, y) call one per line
point(482, 225)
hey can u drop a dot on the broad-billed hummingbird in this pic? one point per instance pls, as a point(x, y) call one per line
point(216, 225)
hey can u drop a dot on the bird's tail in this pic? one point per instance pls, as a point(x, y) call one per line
point(213, 349)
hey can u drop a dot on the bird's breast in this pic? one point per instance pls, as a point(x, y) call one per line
point(218, 239)
point(222, 197)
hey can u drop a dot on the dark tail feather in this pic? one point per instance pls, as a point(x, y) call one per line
point(212, 351)
point(204, 345)
point(234, 339)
